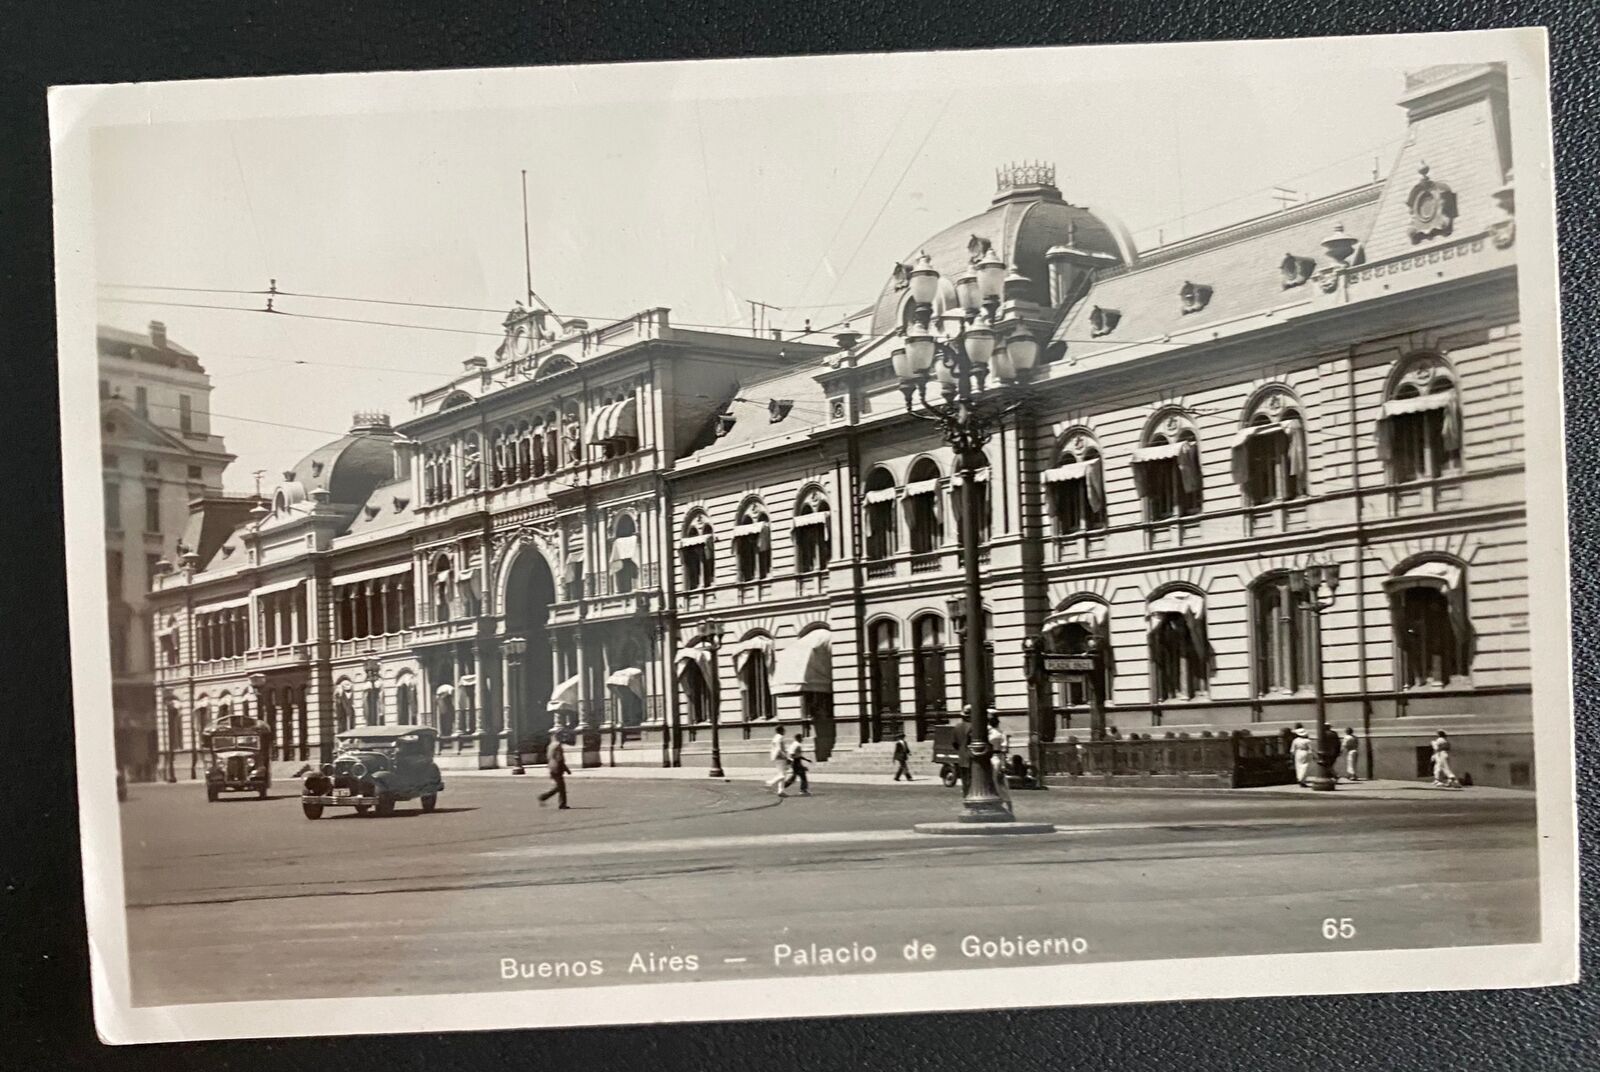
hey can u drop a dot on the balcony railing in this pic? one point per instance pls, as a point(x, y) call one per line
point(278, 655)
point(372, 644)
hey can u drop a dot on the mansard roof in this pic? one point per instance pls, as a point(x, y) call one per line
point(350, 466)
point(767, 410)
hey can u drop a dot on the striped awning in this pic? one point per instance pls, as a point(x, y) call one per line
point(805, 664)
point(696, 658)
point(628, 679)
point(759, 645)
point(564, 697)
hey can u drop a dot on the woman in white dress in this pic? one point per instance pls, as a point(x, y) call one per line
point(1300, 749)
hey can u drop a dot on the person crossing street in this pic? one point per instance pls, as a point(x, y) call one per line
point(779, 755)
point(797, 767)
point(902, 758)
point(556, 762)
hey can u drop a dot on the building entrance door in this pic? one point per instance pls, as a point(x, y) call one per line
point(530, 589)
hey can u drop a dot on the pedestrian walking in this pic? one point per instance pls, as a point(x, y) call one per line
point(1350, 746)
point(999, 755)
point(961, 737)
point(1300, 748)
point(1443, 774)
point(902, 758)
point(797, 767)
point(779, 754)
point(556, 764)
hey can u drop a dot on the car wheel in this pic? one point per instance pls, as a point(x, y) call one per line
point(313, 811)
point(385, 804)
point(211, 793)
point(430, 801)
point(949, 777)
point(362, 809)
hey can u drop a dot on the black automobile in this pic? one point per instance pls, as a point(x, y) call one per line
point(374, 768)
point(241, 757)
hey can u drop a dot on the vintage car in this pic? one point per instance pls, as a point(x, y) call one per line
point(241, 756)
point(373, 769)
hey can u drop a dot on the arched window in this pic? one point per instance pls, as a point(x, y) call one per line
point(623, 566)
point(536, 450)
point(883, 643)
point(1180, 656)
point(1076, 485)
point(1283, 630)
point(752, 542)
point(1081, 626)
point(928, 657)
point(405, 700)
point(924, 518)
point(812, 538)
point(1269, 450)
point(697, 669)
point(552, 441)
point(1433, 634)
point(344, 706)
point(985, 506)
point(625, 683)
point(1419, 429)
point(1166, 469)
point(883, 535)
point(697, 549)
point(752, 661)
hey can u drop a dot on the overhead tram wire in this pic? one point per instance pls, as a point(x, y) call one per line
point(599, 344)
point(235, 417)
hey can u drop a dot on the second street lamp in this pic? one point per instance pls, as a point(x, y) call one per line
point(515, 647)
point(1318, 580)
point(713, 627)
point(974, 341)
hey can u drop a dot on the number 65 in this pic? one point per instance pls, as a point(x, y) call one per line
point(1338, 928)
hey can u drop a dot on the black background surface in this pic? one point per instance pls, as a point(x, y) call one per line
point(45, 1016)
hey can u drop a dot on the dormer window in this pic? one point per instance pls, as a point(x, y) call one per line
point(1195, 297)
point(1102, 321)
point(724, 424)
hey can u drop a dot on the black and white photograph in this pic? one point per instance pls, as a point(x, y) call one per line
point(828, 535)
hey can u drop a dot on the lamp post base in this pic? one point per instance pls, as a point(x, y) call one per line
point(1321, 783)
point(716, 772)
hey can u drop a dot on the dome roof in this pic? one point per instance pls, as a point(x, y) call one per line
point(352, 465)
point(1027, 217)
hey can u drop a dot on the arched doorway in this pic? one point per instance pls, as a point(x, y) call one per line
point(530, 589)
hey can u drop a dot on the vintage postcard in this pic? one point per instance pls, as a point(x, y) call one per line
point(816, 536)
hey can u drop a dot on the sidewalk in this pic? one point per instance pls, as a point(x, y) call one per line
point(1379, 789)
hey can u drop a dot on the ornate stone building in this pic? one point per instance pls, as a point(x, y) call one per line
point(644, 532)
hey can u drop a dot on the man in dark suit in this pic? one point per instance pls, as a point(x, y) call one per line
point(962, 739)
point(556, 758)
point(902, 757)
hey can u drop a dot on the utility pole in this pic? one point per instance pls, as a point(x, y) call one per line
point(759, 329)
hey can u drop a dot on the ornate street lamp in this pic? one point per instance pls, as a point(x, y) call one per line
point(972, 342)
point(373, 669)
point(514, 647)
point(713, 635)
point(1318, 579)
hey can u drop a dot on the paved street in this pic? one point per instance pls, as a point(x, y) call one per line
point(246, 899)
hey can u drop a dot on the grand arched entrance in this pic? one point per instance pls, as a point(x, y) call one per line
point(530, 589)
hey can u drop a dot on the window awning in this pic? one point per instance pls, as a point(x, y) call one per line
point(880, 495)
point(624, 551)
point(750, 528)
point(1191, 608)
point(1159, 453)
point(696, 539)
point(696, 658)
point(922, 487)
point(816, 517)
point(1069, 471)
point(1092, 616)
point(761, 646)
point(805, 664)
point(1291, 427)
point(564, 697)
point(959, 479)
point(622, 420)
point(629, 679)
point(1445, 576)
point(225, 604)
point(442, 690)
point(284, 586)
point(1396, 407)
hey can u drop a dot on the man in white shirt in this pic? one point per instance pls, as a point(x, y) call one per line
point(780, 762)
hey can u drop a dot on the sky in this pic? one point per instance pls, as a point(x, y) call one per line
point(801, 192)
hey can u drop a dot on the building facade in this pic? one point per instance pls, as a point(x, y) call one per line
point(157, 454)
point(646, 533)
